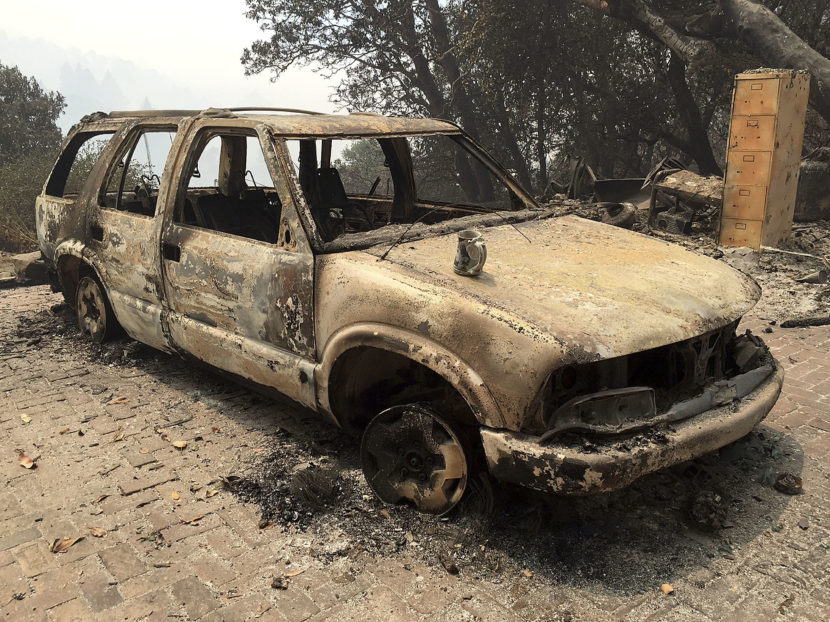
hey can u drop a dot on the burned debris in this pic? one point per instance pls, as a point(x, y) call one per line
point(680, 198)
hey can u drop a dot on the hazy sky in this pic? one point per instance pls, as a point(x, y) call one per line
point(105, 55)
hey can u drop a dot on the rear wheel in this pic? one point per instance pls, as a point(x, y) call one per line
point(95, 316)
point(411, 454)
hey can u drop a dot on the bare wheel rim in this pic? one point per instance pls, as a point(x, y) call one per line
point(409, 453)
point(92, 309)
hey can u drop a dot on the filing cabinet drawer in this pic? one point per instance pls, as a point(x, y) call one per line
point(745, 202)
point(756, 96)
point(748, 168)
point(738, 232)
point(752, 133)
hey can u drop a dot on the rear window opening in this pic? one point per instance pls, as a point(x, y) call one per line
point(365, 184)
point(76, 163)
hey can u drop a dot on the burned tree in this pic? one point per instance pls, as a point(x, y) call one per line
point(396, 58)
point(694, 38)
point(621, 83)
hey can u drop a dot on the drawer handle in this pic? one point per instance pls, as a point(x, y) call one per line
point(740, 225)
point(743, 192)
point(749, 158)
point(752, 123)
point(757, 86)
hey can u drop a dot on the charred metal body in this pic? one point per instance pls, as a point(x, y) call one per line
point(348, 302)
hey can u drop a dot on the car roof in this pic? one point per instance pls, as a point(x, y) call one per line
point(293, 122)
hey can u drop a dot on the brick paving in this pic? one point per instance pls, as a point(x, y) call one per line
point(173, 548)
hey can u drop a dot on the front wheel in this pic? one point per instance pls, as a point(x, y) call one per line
point(95, 316)
point(409, 453)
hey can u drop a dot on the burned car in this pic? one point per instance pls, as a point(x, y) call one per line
point(313, 255)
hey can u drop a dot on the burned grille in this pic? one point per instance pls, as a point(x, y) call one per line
point(675, 372)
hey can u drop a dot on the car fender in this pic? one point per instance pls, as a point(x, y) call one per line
point(417, 348)
point(79, 250)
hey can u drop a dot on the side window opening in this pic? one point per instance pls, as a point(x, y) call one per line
point(76, 162)
point(133, 183)
point(229, 188)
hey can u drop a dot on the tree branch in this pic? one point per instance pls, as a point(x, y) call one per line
point(639, 15)
point(701, 148)
point(770, 39)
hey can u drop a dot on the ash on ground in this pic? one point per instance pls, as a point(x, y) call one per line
point(306, 478)
point(671, 522)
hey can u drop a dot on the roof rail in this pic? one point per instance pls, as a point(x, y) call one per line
point(121, 114)
point(261, 109)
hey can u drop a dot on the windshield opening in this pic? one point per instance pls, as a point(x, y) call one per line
point(365, 184)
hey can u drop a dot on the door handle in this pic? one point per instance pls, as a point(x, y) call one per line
point(171, 252)
point(96, 232)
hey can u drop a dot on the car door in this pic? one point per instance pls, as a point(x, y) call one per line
point(123, 230)
point(238, 270)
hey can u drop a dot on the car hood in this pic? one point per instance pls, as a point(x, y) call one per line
point(597, 290)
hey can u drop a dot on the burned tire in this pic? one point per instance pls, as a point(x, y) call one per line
point(411, 454)
point(619, 214)
point(95, 316)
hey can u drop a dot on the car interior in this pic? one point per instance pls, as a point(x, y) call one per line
point(350, 186)
point(374, 182)
point(235, 202)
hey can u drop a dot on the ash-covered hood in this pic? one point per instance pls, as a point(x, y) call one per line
point(598, 290)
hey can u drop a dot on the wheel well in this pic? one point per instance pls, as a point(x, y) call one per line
point(70, 271)
point(365, 380)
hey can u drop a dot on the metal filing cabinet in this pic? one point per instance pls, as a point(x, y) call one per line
point(763, 157)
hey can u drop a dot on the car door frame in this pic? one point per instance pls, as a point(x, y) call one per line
point(62, 219)
point(125, 245)
point(282, 355)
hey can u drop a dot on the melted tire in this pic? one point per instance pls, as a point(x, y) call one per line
point(94, 313)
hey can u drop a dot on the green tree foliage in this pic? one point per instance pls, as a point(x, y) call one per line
point(28, 116)
point(29, 141)
point(537, 81)
point(20, 182)
point(360, 164)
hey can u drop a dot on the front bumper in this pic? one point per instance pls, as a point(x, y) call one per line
point(615, 462)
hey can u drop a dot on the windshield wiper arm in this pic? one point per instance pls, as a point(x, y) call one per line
point(401, 236)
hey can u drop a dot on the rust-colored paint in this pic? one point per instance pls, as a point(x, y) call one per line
point(559, 293)
point(572, 469)
point(579, 292)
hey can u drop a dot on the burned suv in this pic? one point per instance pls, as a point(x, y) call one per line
point(316, 255)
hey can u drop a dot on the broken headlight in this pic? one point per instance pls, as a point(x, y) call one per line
point(604, 412)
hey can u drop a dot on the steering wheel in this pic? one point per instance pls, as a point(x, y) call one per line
point(146, 180)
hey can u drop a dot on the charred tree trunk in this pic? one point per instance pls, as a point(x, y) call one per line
point(510, 142)
point(449, 63)
point(699, 146)
point(640, 16)
point(426, 81)
point(460, 97)
point(778, 46)
point(541, 134)
point(761, 30)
